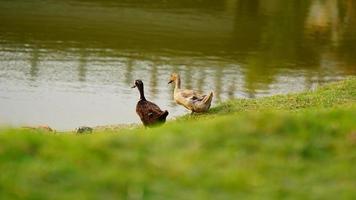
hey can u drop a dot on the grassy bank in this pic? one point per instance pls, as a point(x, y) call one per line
point(299, 146)
point(339, 94)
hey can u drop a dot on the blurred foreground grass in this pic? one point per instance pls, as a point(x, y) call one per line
point(300, 146)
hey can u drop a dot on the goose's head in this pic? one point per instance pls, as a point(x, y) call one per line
point(174, 77)
point(138, 84)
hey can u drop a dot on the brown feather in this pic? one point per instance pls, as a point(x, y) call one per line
point(150, 113)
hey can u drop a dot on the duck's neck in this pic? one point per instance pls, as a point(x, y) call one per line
point(177, 83)
point(142, 94)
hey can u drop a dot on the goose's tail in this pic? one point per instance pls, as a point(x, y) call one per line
point(208, 98)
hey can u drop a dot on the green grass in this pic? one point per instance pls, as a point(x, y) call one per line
point(339, 94)
point(300, 146)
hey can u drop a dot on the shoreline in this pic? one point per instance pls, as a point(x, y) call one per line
point(275, 102)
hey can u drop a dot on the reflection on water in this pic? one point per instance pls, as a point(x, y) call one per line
point(72, 62)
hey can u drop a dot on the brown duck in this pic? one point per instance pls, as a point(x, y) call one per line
point(149, 112)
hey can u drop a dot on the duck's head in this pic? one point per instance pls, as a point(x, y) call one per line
point(138, 83)
point(173, 78)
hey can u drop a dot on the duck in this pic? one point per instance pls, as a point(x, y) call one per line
point(149, 113)
point(190, 99)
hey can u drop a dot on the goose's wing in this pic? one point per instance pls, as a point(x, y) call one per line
point(191, 94)
point(198, 98)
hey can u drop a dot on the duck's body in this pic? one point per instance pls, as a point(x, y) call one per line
point(190, 99)
point(149, 113)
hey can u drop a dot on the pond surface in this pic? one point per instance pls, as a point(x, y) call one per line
point(71, 62)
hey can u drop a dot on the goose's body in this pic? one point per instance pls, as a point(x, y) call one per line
point(190, 99)
point(149, 113)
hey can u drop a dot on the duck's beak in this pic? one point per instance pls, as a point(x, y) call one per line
point(133, 86)
point(170, 81)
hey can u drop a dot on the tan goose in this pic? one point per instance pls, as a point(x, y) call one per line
point(149, 113)
point(190, 99)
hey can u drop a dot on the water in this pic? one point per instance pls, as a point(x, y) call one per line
point(71, 62)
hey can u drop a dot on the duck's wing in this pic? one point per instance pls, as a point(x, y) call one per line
point(153, 109)
point(148, 111)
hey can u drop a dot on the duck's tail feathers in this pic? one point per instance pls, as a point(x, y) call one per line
point(163, 116)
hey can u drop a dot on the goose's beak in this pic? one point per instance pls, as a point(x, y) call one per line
point(133, 86)
point(170, 81)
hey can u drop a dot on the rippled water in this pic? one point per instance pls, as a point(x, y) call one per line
point(71, 62)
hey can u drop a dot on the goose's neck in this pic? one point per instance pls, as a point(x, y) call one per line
point(142, 94)
point(177, 83)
